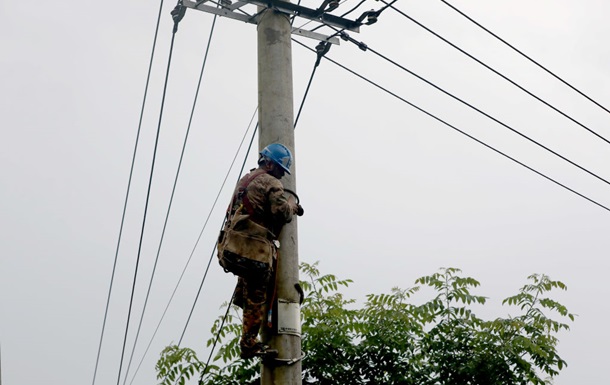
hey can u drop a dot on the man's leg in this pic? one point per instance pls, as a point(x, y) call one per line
point(239, 295)
point(255, 295)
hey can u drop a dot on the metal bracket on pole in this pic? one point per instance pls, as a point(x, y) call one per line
point(308, 13)
point(234, 11)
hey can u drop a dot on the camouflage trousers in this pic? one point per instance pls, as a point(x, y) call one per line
point(251, 296)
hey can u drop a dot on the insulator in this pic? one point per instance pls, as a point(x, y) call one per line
point(332, 5)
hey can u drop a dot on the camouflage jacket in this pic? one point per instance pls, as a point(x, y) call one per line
point(263, 198)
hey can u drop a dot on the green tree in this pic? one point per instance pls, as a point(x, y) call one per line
point(392, 341)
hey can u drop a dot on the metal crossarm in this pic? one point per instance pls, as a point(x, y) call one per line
point(308, 13)
point(229, 10)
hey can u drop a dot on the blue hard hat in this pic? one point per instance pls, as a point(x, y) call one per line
point(278, 154)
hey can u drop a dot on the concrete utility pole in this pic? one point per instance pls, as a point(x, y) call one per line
point(276, 117)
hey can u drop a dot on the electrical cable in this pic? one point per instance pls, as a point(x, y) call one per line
point(214, 248)
point(499, 74)
point(458, 130)
point(196, 243)
point(116, 254)
point(321, 50)
point(306, 91)
point(222, 324)
point(294, 16)
point(177, 15)
point(171, 199)
point(364, 47)
point(353, 9)
point(526, 56)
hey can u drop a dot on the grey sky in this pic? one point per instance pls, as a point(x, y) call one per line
point(389, 194)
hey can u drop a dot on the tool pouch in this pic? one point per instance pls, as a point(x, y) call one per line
point(244, 248)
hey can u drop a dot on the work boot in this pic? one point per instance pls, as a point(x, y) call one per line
point(250, 352)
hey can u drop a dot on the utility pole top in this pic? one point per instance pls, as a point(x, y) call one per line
point(319, 16)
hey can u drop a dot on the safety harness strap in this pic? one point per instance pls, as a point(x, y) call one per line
point(242, 195)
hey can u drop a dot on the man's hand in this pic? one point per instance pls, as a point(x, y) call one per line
point(300, 210)
point(296, 207)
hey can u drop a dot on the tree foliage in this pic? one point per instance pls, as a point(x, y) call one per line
point(392, 341)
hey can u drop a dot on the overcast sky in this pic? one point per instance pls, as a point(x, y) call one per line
point(389, 193)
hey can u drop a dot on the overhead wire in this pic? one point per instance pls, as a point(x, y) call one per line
point(133, 160)
point(217, 338)
point(313, 72)
point(197, 241)
point(526, 56)
point(365, 47)
point(186, 137)
point(565, 115)
point(460, 131)
point(293, 16)
point(354, 8)
point(321, 49)
point(214, 248)
point(177, 15)
point(361, 18)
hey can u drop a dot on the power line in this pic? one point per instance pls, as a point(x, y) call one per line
point(321, 50)
point(460, 131)
point(171, 197)
point(354, 8)
point(177, 15)
point(197, 242)
point(222, 324)
point(214, 248)
point(365, 47)
point(526, 56)
point(116, 254)
point(499, 74)
point(306, 91)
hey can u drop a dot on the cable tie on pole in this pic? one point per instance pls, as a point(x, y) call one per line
point(177, 14)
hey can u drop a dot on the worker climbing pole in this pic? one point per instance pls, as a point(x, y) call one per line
point(280, 347)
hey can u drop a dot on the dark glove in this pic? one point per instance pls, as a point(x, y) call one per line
point(300, 210)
